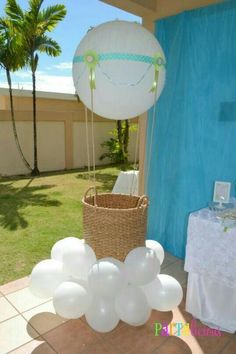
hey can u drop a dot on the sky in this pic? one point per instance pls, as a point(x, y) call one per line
point(55, 74)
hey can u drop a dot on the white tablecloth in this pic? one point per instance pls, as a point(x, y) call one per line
point(211, 302)
point(211, 263)
point(210, 250)
point(127, 183)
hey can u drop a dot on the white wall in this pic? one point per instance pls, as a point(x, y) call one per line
point(101, 134)
point(51, 147)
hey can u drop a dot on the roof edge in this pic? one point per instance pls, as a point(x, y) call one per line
point(40, 94)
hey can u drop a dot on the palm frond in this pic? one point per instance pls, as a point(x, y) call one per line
point(34, 8)
point(49, 17)
point(13, 10)
point(5, 25)
point(44, 44)
point(12, 54)
point(2, 47)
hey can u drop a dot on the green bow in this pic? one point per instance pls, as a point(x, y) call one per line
point(158, 63)
point(91, 59)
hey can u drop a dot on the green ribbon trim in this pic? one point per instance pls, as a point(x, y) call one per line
point(155, 82)
point(123, 56)
point(158, 63)
point(91, 59)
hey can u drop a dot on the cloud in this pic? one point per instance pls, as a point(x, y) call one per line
point(55, 83)
point(44, 82)
point(22, 74)
point(63, 66)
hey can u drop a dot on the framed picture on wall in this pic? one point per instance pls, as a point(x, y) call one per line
point(221, 192)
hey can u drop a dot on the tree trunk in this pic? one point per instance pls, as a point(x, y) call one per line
point(120, 140)
point(126, 139)
point(35, 171)
point(119, 132)
point(27, 165)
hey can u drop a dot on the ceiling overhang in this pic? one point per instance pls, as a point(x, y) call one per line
point(156, 9)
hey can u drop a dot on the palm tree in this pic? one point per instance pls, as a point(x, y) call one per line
point(33, 25)
point(11, 59)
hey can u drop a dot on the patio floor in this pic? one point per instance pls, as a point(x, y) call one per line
point(30, 325)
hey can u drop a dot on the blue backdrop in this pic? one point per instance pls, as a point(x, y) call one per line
point(195, 130)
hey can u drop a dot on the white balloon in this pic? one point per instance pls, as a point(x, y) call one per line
point(82, 282)
point(115, 261)
point(119, 264)
point(142, 265)
point(164, 293)
point(71, 300)
point(60, 246)
point(45, 278)
point(78, 260)
point(106, 279)
point(157, 247)
point(132, 307)
point(101, 315)
point(122, 85)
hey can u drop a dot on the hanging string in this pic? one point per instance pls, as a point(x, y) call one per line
point(136, 147)
point(132, 190)
point(87, 143)
point(113, 82)
point(151, 138)
point(126, 84)
point(91, 59)
point(158, 63)
point(93, 144)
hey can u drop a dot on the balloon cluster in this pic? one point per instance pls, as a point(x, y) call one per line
point(105, 290)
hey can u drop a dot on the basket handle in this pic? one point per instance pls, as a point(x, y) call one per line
point(95, 193)
point(143, 201)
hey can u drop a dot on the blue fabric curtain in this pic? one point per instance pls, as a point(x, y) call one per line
point(195, 130)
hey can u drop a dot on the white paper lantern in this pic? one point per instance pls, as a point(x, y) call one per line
point(124, 61)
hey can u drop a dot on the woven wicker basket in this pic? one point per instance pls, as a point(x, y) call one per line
point(114, 224)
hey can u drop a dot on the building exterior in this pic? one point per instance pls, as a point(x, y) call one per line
point(61, 132)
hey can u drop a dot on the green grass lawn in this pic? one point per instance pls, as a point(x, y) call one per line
point(36, 212)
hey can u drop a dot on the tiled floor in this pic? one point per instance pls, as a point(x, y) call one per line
point(30, 325)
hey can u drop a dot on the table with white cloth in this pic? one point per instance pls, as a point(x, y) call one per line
point(211, 265)
point(127, 183)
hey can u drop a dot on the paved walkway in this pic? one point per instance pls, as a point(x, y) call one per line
point(30, 325)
